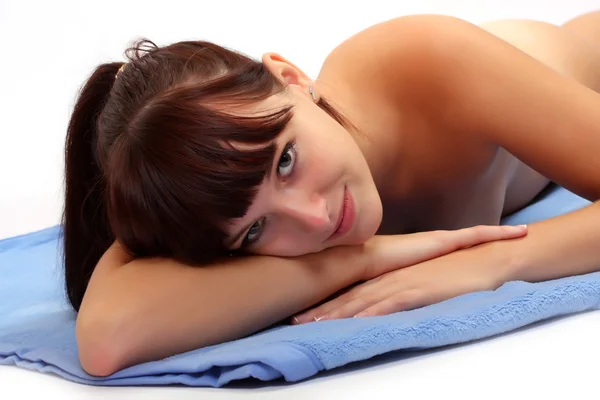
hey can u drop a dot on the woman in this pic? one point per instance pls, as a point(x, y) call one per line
point(190, 154)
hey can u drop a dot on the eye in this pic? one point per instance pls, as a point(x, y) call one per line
point(254, 232)
point(287, 160)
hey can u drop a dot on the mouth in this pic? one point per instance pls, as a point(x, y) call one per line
point(346, 217)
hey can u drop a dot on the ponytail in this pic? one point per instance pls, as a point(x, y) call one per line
point(87, 234)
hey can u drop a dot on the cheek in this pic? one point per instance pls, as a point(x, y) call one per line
point(371, 210)
point(325, 161)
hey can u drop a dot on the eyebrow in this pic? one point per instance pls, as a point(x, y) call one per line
point(234, 238)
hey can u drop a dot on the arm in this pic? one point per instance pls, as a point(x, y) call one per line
point(148, 309)
point(461, 80)
point(145, 309)
point(481, 87)
point(498, 94)
point(475, 84)
point(558, 247)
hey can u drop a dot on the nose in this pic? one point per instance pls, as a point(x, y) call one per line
point(309, 210)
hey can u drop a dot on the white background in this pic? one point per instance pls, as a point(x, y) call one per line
point(48, 49)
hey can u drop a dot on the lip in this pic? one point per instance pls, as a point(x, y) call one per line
point(346, 217)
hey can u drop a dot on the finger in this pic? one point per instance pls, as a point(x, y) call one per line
point(403, 301)
point(364, 290)
point(473, 236)
point(368, 297)
point(352, 308)
point(316, 313)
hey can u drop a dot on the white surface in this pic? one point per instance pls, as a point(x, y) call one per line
point(552, 360)
point(49, 49)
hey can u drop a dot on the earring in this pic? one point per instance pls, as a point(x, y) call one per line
point(312, 92)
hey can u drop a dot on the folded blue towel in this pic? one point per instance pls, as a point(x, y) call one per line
point(37, 327)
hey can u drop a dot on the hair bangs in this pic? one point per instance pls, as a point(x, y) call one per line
point(193, 170)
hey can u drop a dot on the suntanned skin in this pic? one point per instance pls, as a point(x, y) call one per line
point(467, 125)
point(436, 178)
point(434, 166)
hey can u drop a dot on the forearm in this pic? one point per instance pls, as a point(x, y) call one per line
point(150, 309)
point(558, 247)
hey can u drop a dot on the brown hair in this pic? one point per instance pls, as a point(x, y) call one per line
point(148, 155)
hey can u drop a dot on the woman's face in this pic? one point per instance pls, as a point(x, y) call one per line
point(319, 194)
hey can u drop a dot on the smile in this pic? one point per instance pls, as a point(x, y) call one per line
point(346, 217)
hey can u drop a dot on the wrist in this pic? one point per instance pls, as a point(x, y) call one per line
point(563, 246)
point(373, 258)
point(360, 259)
point(342, 265)
point(510, 260)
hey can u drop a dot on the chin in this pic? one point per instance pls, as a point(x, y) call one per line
point(373, 221)
point(364, 234)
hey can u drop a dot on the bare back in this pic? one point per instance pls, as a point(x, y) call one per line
point(441, 180)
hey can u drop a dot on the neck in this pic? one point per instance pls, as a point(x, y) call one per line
point(379, 134)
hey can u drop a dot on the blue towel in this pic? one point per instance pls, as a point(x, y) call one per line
point(37, 327)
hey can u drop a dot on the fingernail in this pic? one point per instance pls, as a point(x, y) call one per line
point(317, 319)
point(296, 319)
point(524, 226)
point(361, 314)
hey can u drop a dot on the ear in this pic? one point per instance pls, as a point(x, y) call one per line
point(287, 72)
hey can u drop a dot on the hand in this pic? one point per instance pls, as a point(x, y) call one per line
point(484, 267)
point(390, 252)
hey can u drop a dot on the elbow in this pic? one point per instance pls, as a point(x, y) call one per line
point(100, 349)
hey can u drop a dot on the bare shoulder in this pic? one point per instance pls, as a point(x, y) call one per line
point(457, 85)
point(413, 54)
point(403, 51)
point(396, 71)
point(407, 33)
